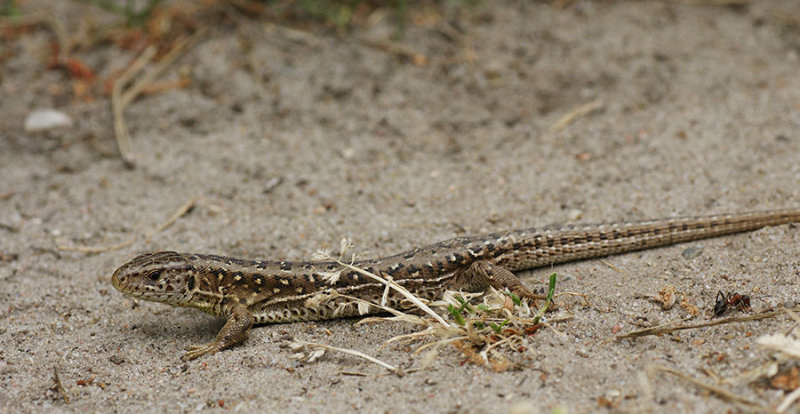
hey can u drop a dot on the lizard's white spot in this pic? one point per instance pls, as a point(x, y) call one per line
point(315, 301)
point(363, 308)
point(285, 282)
point(237, 278)
point(276, 290)
point(331, 277)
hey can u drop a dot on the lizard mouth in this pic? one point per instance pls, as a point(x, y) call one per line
point(118, 281)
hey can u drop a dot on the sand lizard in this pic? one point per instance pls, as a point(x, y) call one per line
point(248, 292)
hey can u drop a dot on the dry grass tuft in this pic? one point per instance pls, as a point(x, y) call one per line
point(485, 328)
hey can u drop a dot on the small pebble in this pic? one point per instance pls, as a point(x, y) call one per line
point(789, 304)
point(272, 183)
point(45, 119)
point(692, 252)
point(575, 214)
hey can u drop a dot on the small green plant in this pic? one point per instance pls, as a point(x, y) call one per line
point(457, 312)
point(133, 16)
point(499, 328)
point(9, 8)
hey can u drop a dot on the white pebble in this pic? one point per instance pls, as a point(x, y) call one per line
point(575, 214)
point(45, 119)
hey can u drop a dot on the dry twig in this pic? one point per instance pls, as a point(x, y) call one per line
point(180, 46)
point(303, 349)
point(121, 97)
point(723, 393)
point(576, 113)
point(185, 208)
point(670, 327)
point(397, 49)
point(117, 105)
point(394, 286)
point(59, 387)
point(788, 401)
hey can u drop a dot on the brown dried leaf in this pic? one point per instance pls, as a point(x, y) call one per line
point(666, 296)
point(788, 380)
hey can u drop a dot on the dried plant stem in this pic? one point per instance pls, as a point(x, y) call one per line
point(359, 354)
point(170, 221)
point(59, 387)
point(121, 97)
point(403, 291)
point(118, 105)
point(670, 327)
point(574, 114)
point(725, 394)
point(788, 401)
point(100, 249)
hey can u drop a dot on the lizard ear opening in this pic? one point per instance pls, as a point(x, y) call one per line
point(190, 282)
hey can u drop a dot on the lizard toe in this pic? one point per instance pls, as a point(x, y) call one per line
point(196, 351)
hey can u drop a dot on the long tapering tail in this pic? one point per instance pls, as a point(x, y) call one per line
point(534, 248)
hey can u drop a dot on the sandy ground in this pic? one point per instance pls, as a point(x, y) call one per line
point(290, 143)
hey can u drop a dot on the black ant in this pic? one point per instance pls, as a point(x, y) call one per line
point(731, 300)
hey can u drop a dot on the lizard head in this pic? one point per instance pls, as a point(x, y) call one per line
point(159, 277)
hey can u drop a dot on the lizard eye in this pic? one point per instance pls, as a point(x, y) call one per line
point(155, 275)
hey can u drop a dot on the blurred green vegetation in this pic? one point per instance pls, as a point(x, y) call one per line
point(9, 8)
point(134, 15)
point(339, 14)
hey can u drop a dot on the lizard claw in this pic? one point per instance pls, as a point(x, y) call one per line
point(196, 351)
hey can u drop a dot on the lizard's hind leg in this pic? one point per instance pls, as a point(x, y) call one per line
point(481, 274)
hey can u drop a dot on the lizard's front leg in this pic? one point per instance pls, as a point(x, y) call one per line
point(481, 274)
point(233, 333)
